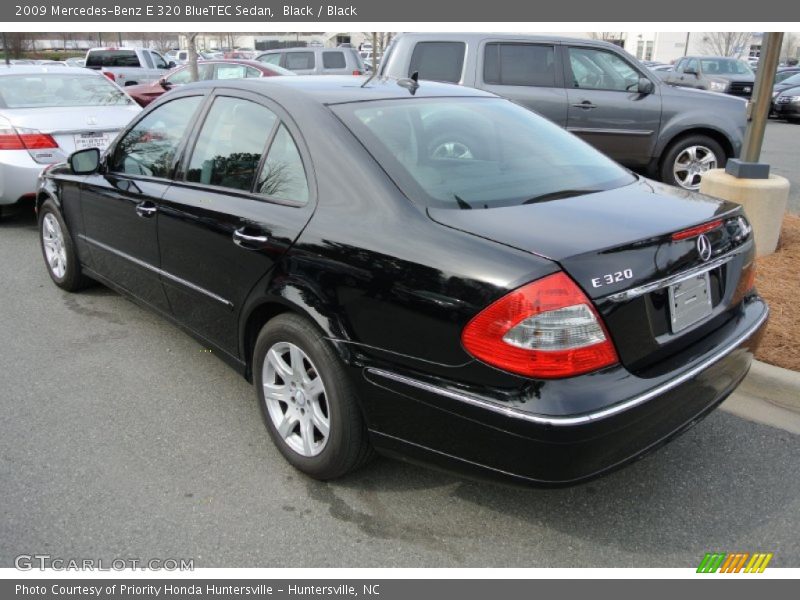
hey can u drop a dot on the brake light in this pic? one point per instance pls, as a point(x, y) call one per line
point(695, 231)
point(110, 75)
point(24, 139)
point(546, 329)
point(357, 72)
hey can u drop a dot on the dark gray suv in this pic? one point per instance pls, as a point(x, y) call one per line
point(715, 74)
point(592, 88)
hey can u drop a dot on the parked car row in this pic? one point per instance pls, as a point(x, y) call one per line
point(424, 269)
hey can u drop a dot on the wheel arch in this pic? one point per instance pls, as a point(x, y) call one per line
point(715, 134)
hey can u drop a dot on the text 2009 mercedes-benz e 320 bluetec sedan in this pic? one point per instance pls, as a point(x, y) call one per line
point(423, 269)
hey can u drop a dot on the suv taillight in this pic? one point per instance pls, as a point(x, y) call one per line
point(110, 75)
point(546, 329)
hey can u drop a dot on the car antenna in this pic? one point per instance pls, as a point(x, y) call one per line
point(410, 83)
point(371, 77)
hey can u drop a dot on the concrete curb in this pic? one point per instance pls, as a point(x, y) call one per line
point(773, 384)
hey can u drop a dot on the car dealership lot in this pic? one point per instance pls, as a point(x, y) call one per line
point(123, 437)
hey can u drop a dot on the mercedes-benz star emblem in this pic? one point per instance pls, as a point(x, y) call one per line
point(703, 248)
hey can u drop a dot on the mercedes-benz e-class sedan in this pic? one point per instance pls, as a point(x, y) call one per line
point(45, 114)
point(420, 269)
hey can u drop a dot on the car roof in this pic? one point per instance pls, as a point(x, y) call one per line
point(233, 61)
point(339, 89)
point(512, 37)
point(34, 69)
point(704, 57)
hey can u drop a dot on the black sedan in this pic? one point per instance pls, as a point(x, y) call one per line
point(424, 270)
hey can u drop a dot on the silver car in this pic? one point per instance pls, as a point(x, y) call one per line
point(314, 60)
point(46, 113)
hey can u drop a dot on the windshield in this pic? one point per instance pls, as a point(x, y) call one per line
point(477, 152)
point(43, 90)
point(793, 80)
point(725, 66)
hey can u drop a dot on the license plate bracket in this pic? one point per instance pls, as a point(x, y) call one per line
point(689, 301)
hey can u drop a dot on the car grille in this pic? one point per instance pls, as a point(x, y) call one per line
point(782, 100)
point(741, 88)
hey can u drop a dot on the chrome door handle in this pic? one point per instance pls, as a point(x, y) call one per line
point(247, 241)
point(584, 104)
point(146, 209)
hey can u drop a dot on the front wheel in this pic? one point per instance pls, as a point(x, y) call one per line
point(58, 250)
point(687, 159)
point(308, 404)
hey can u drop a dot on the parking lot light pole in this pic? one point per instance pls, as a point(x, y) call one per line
point(746, 180)
point(758, 110)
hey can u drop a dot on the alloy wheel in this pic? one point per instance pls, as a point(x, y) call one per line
point(54, 250)
point(295, 398)
point(690, 165)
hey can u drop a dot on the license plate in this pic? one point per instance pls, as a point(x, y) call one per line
point(94, 140)
point(689, 301)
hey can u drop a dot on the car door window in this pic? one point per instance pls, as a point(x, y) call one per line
point(438, 61)
point(159, 61)
point(601, 70)
point(519, 64)
point(283, 176)
point(231, 143)
point(270, 59)
point(299, 61)
point(149, 148)
point(251, 72)
point(180, 77)
point(333, 60)
point(692, 65)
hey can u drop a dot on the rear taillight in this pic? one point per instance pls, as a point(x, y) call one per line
point(357, 72)
point(24, 139)
point(546, 329)
point(110, 75)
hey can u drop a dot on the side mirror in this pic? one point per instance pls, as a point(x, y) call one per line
point(690, 71)
point(85, 162)
point(645, 86)
point(164, 83)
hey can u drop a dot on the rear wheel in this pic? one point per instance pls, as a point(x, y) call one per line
point(58, 250)
point(307, 401)
point(688, 158)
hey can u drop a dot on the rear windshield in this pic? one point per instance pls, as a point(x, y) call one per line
point(477, 152)
point(41, 90)
point(112, 58)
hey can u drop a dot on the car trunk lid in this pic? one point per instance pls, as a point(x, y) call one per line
point(620, 247)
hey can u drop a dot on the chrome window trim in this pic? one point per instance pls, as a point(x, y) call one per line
point(672, 279)
point(583, 419)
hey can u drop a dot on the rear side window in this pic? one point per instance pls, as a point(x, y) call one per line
point(149, 148)
point(231, 71)
point(438, 61)
point(270, 59)
point(112, 58)
point(283, 176)
point(333, 60)
point(231, 144)
point(519, 64)
point(298, 61)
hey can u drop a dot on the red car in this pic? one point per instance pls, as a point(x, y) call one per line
point(145, 93)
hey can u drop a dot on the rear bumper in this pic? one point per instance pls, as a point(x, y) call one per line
point(480, 434)
point(18, 175)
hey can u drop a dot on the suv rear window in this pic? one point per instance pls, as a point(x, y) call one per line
point(112, 58)
point(333, 60)
point(438, 61)
point(519, 64)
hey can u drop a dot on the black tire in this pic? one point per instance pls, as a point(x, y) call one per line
point(678, 146)
point(347, 447)
point(73, 278)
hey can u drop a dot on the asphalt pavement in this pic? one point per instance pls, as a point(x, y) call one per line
point(782, 151)
point(121, 437)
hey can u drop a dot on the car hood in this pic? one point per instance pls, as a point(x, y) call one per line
point(77, 118)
